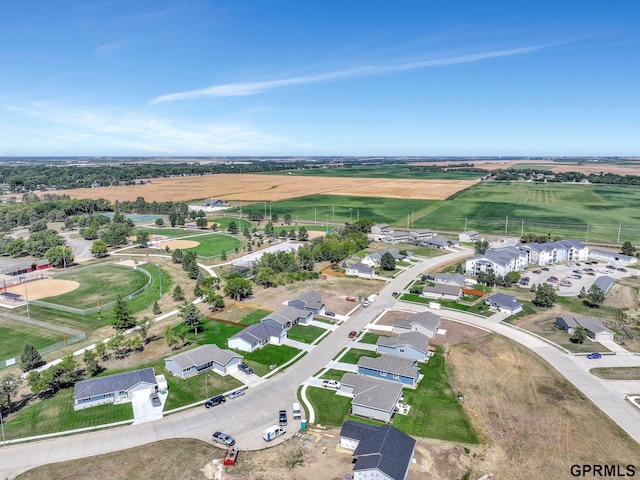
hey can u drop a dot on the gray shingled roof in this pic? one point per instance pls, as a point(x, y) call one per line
point(450, 277)
point(257, 333)
point(605, 283)
point(503, 300)
point(113, 383)
point(592, 324)
point(391, 364)
point(385, 448)
point(286, 315)
point(373, 393)
point(501, 256)
point(442, 289)
point(361, 267)
point(426, 319)
point(311, 299)
point(417, 340)
point(202, 355)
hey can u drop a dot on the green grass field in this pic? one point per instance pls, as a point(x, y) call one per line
point(212, 245)
point(383, 171)
point(104, 283)
point(305, 333)
point(354, 354)
point(13, 336)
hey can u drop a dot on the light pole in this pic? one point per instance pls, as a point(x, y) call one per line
point(160, 278)
point(206, 385)
point(26, 297)
point(350, 216)
point(327, 224)
point(4, 443)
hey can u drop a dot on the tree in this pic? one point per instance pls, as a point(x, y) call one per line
point(60, 256)
point(246, 232)
point(156, 308)
point(30, 358)
point(628, 249)
point(579, 335)
point(364, 225)
point(265, 277)
point(16, 248)
point(191, 316)
point(159, 222)
point(123, 318)
point(143, 329)
point(481, 246)
point(223, 255)
point(178, 294)
point(545, 295)
point(268, 228)
point(101, 350)
point(170, 336)
point(142, 238)
point(238, 288)
point(305, 259)
point(388, 262)
point(8, 388)
point(233, 227)
point(274, 217)
point(92, 367)
point(99, 248)
point(595, 297)
point(303, 235)
point(459, 268)
point(202, 222)
point(176, 256)
point(287, 219)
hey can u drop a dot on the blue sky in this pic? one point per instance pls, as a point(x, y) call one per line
point(349, 77)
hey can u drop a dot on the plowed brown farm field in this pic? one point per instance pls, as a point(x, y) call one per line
point(270, 188)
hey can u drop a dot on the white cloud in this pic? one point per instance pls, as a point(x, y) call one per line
point(253, 88)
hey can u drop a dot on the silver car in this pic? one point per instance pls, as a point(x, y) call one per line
point(236, 393)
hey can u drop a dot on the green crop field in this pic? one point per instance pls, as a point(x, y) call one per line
point(384, 171)
point(13, 336)
point(211, 245)
point(104, 283)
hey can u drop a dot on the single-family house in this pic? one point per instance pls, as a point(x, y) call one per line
point(450, 279)
point(442, 291)
point(287, 317)
point(359, 270)
point(500, 260)
point(311, 301)
point(439, 242)
point(605, 283)
point(426, 323)
point(257, 336)
point(371, 398)
point(383, 453)
point(393, 238)
point(594, 328)
point(469, 236)
point(422, 234)
point(374, 259)
point(392, 368)
point(381, 229)
point(214, 203)
point(413, 345)
point(612, 256)
point(504, 303)
point(196, 360)
point(113, 388)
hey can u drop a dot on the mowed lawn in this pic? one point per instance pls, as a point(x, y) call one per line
point(104, 283)
point(212, 245)
point(13, 336)
point(305, 333)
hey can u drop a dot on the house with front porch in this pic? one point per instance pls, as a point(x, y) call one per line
point(287, 317)
point(412, 345)
point(257, 336)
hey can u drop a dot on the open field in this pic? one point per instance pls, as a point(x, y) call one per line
point(212, 245)
point(13, 336)
point(387, 171)
point(269, 188)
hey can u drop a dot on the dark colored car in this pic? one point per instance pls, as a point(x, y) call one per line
point(243, 367)
point(282, 418)
point(394, 294)
point(594, 356)
point(224, 439)
point(329, 314)
point(352, 334)
point(416, 291)
point(155, 400)
point(213, 401)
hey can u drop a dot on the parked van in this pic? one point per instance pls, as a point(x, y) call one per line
point(297, 413)
point(272, 432)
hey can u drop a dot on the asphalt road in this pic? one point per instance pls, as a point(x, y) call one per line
point(246, 417)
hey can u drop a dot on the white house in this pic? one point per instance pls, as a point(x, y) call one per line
point(257, 336)
point(470, 236)
point(359, 270)
point(426, 323)
point(504, 303)
point(196, 360)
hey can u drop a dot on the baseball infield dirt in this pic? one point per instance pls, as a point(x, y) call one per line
point(44, 288)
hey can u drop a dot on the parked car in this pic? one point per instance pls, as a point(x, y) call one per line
point(576, 276)
point(243, 367)
point(236, 394)
point(351, 299)
point(394, 294)
point(352, 334)
point(524, 281)
point(566, 283)
point(622, 269)
point(545, 269)
point(213, 401)
point(329, 314)
point(537, 271)
point(594, 356)
point(224, 439)
point(272, 432)
point(155, 400)
point(331, 384)
point(366, 303)
point(417, 291)
point(282, 418)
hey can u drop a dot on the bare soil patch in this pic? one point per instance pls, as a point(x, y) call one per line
point(181, 244)
point(532, 418)
point(623, 296)
point(47, 287)
point(252, 187)
point(457, 332)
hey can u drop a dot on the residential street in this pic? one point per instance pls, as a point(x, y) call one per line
point(259, 407)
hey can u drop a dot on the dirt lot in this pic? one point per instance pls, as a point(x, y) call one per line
point(173, 244)
point(271, 188)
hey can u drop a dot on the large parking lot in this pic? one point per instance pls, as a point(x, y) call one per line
point(570, 278)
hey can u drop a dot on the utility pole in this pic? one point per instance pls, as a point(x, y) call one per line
point(315, 215)
point(333, 216)
point(619, 228)
point(4, 443)
point(506, 225)
point(522, 229)
point(587, 241)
